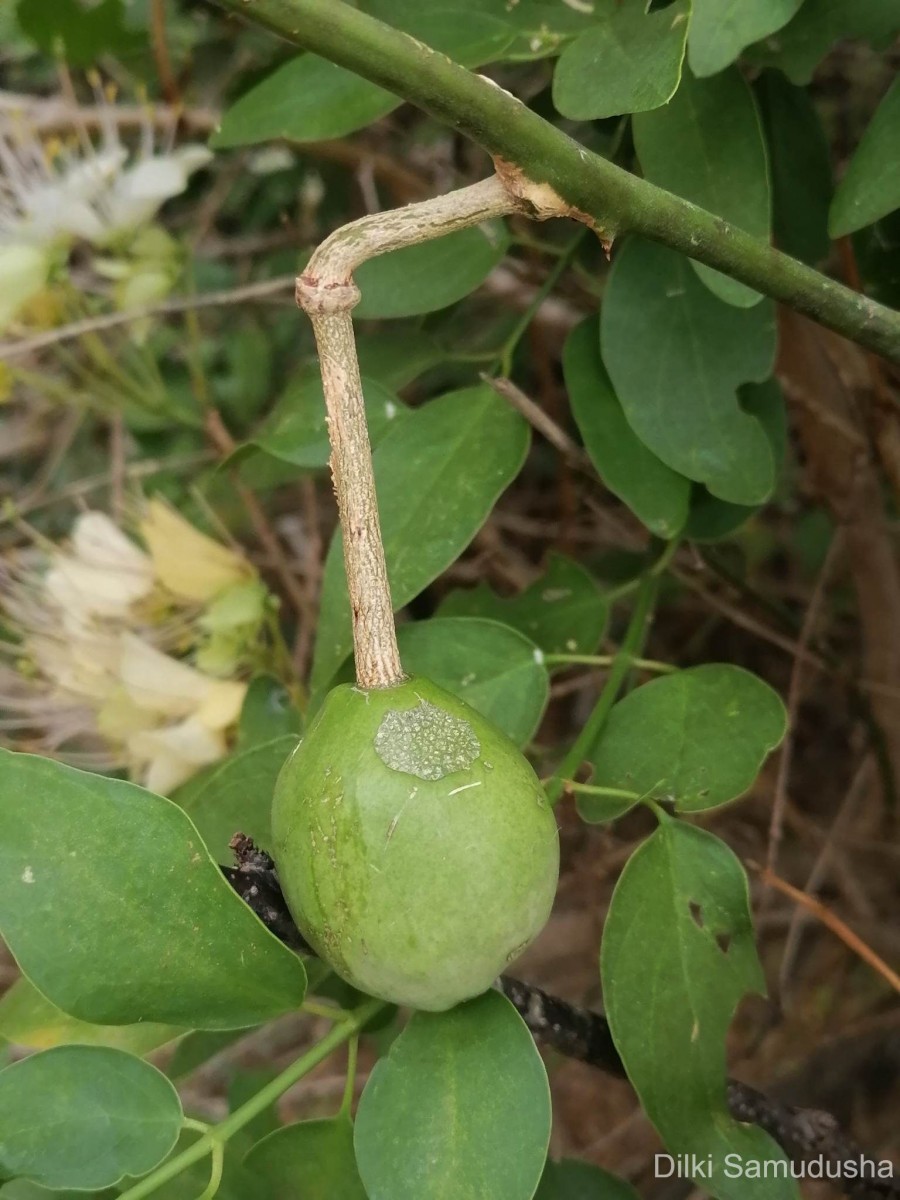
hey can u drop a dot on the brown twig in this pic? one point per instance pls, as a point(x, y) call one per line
point(161, 57)
point(832, 922)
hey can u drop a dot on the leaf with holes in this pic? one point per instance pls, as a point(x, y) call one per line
point(655, 493)
point(114, 909)
point(434, 1117)
point(673, 349)
point(563, 612)
point(438, 475)
point(697, 737)
point(707, 145)
point(628, 61)
point(58, 1105)
point(677, 956)
point(310, 1158)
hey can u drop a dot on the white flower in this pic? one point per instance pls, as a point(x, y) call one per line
point(57, 192)
point(93, 629)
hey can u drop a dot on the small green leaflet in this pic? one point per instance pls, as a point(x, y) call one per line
point(628, 61)
point(720, 32)
point(434, 1117)
point(312, 1159)
point(799, 47)
point(677, 956)
point(570, 1179)
point(57, 1105)
point(696, 737)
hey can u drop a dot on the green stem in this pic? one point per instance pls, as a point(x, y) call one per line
point(217, 1166)
point(352, 1048)
point(256, 1104)
point(614, 199)
point(621, 665)
point(505, 357)
point(589, 789)
point(606, 660)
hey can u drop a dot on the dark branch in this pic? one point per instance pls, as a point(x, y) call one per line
point(803, 1133)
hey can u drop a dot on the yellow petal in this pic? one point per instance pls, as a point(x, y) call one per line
point(158, 683)
point(187, 562)
point(170, 756)
point(222, 705)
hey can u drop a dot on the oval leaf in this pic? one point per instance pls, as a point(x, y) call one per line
point(871, 187)
point(707, 145)
point(718, 36)
point(697, 737)
point(423, 278)
point(671, 347)
point(114, 909)
point(438, 475)
point(655, 493)
point(312, 1159)
point(433, 1122)
point(307, 99)
point(492, 667)
point(804, 41)
point(677, 956)
point(85, 1117)
point(628, 61)
point(563, 612)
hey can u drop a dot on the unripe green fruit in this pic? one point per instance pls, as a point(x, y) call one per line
point(416, 848)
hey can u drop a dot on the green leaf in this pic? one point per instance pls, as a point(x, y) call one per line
point(429, 276)
point(236, 796)
point(307, 99)
point(676, 356)
point(81, 33)
point(800, 165)
point(628, 61)
point(563, 612)
point(85, 1117)
point(296, 430)
point(492, 667)
point(459, 1109)
point(462, 32)
point(268, 712)
point(438, 475)
point(798, 48)
point(116, 912)
point(719, 33)
point(655, 493)
point(310, 99)
point(570, 1179)
point(870, 188)
point(711, 518)
point(707, 146)
point(29, 1019)
point(697, 737)
point(677, 956)
point(312, 1159)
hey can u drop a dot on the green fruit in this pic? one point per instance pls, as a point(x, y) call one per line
point(416, 848)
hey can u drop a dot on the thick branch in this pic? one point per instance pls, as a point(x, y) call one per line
point(578, 1033)
point(615, 201)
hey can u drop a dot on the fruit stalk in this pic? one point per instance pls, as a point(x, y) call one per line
point(327, 294)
